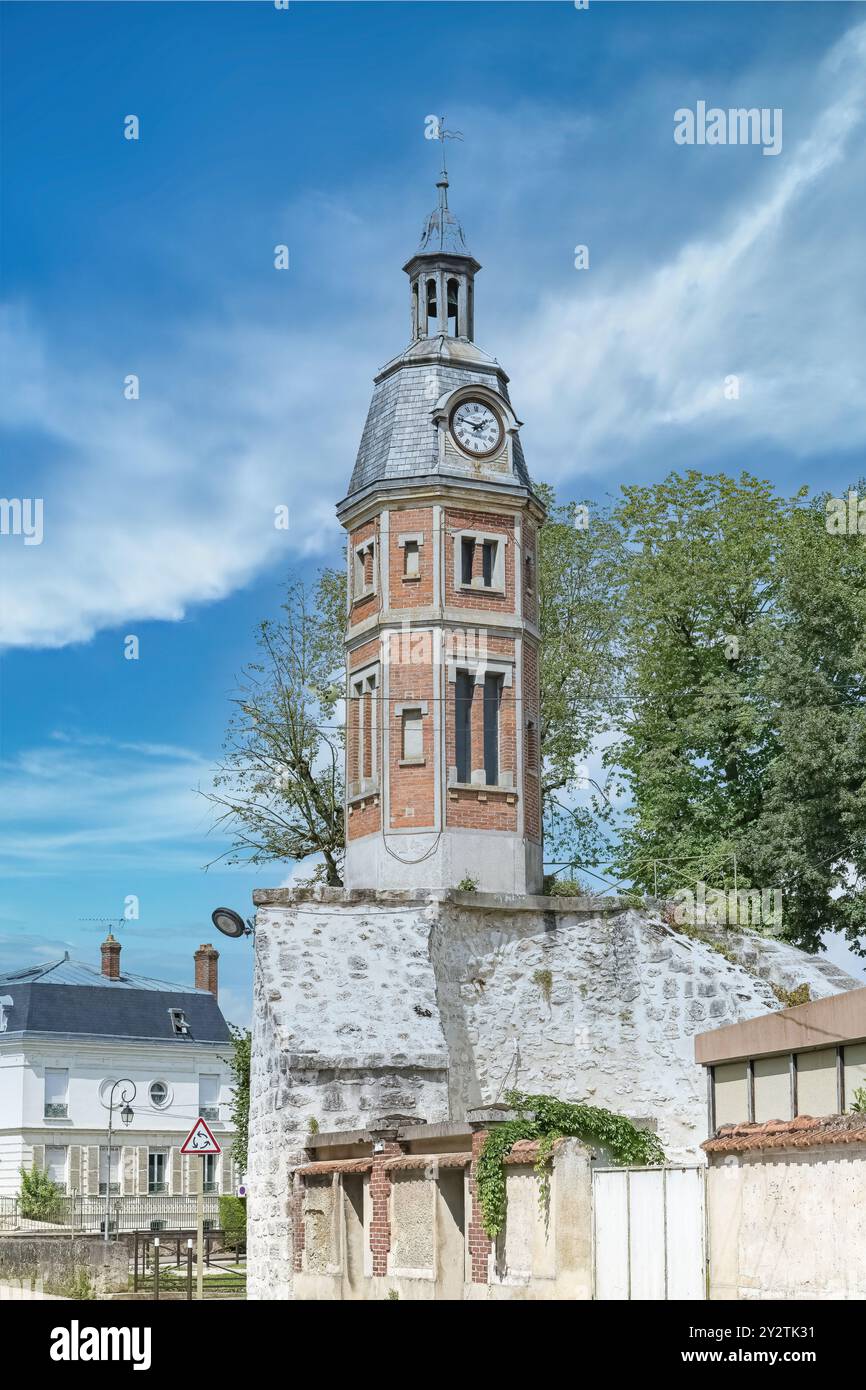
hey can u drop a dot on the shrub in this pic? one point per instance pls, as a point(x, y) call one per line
point(40, 1196)
point(233, 1220)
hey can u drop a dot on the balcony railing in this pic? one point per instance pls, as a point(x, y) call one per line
point(209, 1112)
point(56, 1110)
point(154, 1188)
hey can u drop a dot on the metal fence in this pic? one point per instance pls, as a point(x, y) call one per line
point(79, 1213)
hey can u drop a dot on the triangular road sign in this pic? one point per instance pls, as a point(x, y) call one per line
point(200, 1140)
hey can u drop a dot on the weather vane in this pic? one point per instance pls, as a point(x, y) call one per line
point(442, 135)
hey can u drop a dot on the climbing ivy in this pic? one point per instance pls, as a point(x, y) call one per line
point(547, 1119)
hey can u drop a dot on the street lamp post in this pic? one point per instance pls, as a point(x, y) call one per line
point(126, 1115)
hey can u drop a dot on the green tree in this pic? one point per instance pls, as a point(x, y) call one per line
point(580, 566)
point(279, 786)
point(698, 734)
point(810, 834)
point(744, 737)
point(239, 1066)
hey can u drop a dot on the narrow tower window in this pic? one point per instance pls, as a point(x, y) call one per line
point(432, 314)
point(467, 553)
point(464, 687)
point(413, 736)
point(488, 556)
point(411, 560)
point(492, 699)
point(453, 290)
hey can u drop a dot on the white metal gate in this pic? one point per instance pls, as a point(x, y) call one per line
point(649, 1231)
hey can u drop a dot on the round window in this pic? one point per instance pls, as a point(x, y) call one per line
point(158, 1093)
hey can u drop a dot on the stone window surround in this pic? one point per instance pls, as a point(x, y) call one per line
point(360, 589)
point(480, 667)
point(414, 538)
point(479, 537)
point(361, 787)
point(406, 707)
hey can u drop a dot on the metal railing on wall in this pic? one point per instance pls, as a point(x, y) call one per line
point(76, 1212)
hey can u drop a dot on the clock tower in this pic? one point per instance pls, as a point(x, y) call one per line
point(442, 640)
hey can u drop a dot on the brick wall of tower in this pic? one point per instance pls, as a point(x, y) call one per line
point(411, 678)
point(407, 592)
point(531, 742)
point(529, 565)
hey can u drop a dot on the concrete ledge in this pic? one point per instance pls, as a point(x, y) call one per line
point(513, 902)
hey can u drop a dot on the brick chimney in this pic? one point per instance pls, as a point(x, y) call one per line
point(206, 969)
point(110, 958)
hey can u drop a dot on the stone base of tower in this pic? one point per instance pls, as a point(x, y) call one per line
point(493, 860)
point(429, 1004)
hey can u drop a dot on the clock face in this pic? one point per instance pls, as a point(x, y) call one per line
point(477, 428)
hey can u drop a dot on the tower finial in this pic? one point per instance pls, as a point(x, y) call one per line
point(442, 135)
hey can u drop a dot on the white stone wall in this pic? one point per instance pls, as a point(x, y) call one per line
point(788, 1223)
point(427, 1005)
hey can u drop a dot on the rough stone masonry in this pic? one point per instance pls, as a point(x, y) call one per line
point(429, 1004)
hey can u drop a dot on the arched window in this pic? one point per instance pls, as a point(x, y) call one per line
point(452, 295)
point(432, 315)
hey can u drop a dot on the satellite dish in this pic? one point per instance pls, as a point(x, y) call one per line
point(229, 923)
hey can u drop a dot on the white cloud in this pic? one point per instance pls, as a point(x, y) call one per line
point(134, 808)
point(154, 505)
point(768, 297)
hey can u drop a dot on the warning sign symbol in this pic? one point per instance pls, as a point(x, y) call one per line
point(200, 1140)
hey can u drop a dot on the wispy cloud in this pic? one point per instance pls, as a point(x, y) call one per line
point(68, 807)
point(159, 504)
point(766, 298)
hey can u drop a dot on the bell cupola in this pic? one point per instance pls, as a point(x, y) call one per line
point(442, 275)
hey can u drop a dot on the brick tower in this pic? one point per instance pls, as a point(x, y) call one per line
point(442, 775)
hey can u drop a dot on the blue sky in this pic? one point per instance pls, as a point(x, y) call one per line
point(155, 257)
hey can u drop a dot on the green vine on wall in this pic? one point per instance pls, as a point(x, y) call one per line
point(547, 1119)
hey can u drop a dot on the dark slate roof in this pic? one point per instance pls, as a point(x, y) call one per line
point(75, 972)
point(79, 1001)
point(400, 438)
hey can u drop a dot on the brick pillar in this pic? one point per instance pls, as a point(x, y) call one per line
point(380, 1199)
point(299, 1233)
point(480, 1243)
point(206, 958)
point(110, 958)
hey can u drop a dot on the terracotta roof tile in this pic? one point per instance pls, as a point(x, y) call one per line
point(422, 1161)
point(800, 1133)
point(334, 1165)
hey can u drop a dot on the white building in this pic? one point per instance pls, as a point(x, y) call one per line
point(68, 1032)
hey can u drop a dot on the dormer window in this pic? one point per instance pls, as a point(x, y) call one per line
point(179, 1025)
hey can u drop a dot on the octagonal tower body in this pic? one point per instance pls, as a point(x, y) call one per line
point(442, 642)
